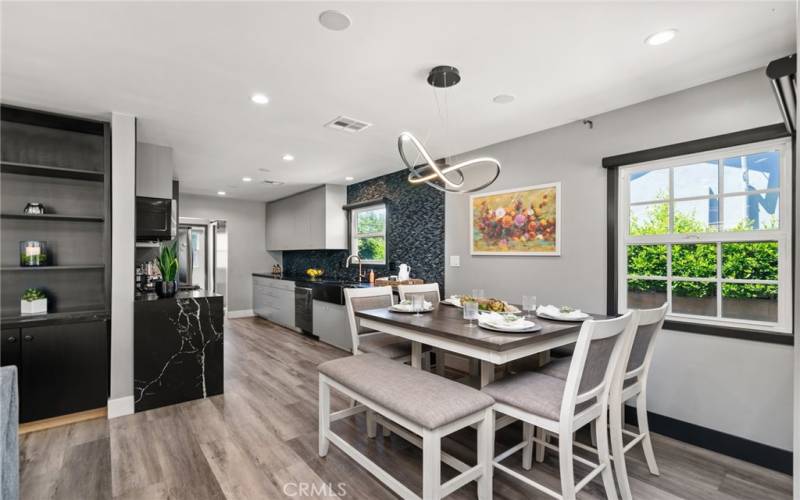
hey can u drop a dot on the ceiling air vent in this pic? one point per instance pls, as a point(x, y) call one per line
point(272, 183)
point(347, 124)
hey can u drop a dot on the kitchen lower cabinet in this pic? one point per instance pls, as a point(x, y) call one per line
point(330, 325)
point(273, 299)
point(62, 368)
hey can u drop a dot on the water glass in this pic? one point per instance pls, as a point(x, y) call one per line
point(528, 304)
point(470, 312)
point(477, 293)
point(417, 303)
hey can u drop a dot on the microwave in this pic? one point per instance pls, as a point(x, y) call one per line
point(156, 219)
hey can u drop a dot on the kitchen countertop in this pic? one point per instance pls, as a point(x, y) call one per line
point(185, 294)
point(306, 279)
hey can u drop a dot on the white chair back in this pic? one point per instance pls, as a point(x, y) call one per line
point(599, 350)
point(428, 290)
point(361, 299)
point(650, 323)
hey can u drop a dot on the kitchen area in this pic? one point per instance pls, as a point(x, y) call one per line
point(378, 232)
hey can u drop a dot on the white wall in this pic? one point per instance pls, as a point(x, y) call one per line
point(123, 240)
point(246, 241)
point(739, 387)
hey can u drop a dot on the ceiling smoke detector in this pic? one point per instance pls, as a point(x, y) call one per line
point(334, 20)
point(347, 124)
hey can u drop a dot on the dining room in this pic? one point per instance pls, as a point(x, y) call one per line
point(554, 261)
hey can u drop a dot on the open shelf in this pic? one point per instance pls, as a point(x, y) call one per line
point(57, 217)
point(88, 312)
point(46, 171)
point(51, 268)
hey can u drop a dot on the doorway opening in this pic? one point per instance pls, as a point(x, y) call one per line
point(203, 255)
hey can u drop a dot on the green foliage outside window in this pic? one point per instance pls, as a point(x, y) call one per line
point(740, 260)
point(372, 249)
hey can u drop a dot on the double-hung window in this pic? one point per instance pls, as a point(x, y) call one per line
point(368, 234)
point(710, 234)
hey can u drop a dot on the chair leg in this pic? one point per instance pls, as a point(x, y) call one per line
point(324, 417)
point(565, 464)
point(644, 428)
point(593, 432)
point(603, 457)
point(440, 366)
point(618, 450)
point(486, 455)
point(431, 465)
point(386, 431)
point(426, 361)
point(541, 435)
point(527, 452)
point(372, 426)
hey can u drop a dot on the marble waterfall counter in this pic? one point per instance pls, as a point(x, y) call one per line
point(177, 348)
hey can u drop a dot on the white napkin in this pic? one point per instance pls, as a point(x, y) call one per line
point(555, 312)
point(502, 320)
point(406, 306)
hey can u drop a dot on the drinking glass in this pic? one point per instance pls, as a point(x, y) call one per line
point(477, 293)
point(471, 312)
point(528, 304)
point(417, 303)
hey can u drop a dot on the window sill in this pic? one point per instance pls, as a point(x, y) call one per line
point(729, 332)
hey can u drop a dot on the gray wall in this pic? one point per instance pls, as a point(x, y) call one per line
point(740, 387)
point(246, 241)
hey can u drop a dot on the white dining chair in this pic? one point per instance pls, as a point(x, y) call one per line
point(630, 383)
point(563, 406)
point(430, 291)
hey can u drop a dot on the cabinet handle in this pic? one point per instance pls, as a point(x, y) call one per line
point(12, 339)
point(28, 338)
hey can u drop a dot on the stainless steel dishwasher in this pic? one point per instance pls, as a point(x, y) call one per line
point(304, 309)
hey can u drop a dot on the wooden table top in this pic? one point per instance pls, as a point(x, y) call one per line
point(447, 322)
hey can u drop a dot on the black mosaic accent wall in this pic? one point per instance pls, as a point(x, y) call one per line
point(415, 231)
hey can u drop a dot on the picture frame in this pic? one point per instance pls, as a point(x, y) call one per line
point(524, 221)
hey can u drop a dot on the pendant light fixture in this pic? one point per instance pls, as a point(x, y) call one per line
point(441, 174)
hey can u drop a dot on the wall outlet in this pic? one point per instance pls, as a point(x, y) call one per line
point(455, 261)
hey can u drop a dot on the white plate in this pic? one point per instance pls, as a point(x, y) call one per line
point(394, 308)
point(528, 329)
point(450, 302)
point(574, 320)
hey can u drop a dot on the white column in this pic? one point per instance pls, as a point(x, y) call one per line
point(123, 242)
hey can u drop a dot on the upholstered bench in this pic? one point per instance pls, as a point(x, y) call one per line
point(428, 405)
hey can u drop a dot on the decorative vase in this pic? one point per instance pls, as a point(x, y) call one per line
point(32, 253)
point(38, 306)
point(166, 289)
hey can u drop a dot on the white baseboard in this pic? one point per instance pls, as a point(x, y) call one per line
point(244, 313)
point(120, 407)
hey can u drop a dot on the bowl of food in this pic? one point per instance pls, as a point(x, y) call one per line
point(314, 272)
point(491, 304)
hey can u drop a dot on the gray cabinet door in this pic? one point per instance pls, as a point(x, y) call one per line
point(312, 220)
point(154, 169)
point(330, 325)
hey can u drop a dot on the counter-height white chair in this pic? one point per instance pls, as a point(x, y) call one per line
point(631, 384)
point(563, 406)
point(430, 291)
point(366, 340)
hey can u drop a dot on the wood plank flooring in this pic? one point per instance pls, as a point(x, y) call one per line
point(259, 441)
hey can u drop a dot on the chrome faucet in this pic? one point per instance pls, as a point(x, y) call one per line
point(350, 259)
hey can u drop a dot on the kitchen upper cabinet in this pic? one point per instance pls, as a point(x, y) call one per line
point(154, 170)
point(311, 220)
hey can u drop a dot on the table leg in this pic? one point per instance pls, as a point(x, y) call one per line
point(416, 355)
point(487, 373)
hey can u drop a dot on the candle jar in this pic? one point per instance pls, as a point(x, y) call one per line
point(32, 253)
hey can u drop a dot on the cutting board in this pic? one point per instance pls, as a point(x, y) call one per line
point(388, 282)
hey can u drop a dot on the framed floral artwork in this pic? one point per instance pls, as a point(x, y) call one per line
point(522, 221)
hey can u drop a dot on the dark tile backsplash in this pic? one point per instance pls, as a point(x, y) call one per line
point(415, 232)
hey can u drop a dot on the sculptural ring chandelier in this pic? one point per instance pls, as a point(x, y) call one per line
point(434, 173)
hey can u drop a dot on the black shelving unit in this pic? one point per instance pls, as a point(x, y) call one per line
point(63, 162)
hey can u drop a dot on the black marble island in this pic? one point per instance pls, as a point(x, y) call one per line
point(177, 348)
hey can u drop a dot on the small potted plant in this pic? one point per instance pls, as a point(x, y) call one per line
point(168, 266)
point(33, 301)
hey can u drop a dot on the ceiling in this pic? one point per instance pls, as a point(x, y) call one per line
point(187, 71)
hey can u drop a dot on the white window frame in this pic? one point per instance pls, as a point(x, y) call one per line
point(355, 236)
point(783, 235)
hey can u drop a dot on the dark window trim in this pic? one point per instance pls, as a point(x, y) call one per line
point(610, 163)
point(362, 204)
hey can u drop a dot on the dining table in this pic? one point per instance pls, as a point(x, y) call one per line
point(444, 328)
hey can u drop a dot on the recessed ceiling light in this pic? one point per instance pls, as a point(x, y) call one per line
point(348, 178)
point(247, 179)
point(288, 157)
point(334, 20)
point(259, 98)
point(503, 98)
point(661, 37)
point(221, 193)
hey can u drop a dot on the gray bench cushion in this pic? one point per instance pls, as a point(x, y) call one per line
point(532, 392)
point(426, 399)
